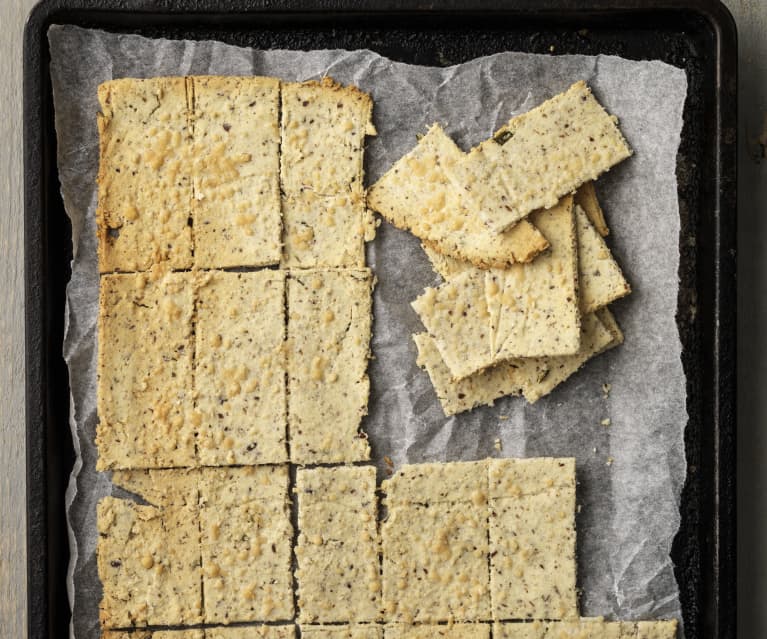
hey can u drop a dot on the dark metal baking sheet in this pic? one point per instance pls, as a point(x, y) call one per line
point(696, 35)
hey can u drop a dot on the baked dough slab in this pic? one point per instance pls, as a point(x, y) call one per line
point(427, 631)
point(435, 554)
point(532, 538)
point(329, 328)
point(540, 156)
point(145, 371)
point(246, 538)
point(324, 126)
point(149, 565)
point(360, 631)
point(145, 188)
point(586, 198)
point(338, 570)
point(416, 195)
point(325, 230)
point(235, 173)
point(240, 368)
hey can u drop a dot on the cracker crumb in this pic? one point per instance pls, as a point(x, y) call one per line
point(610, 461)
point(606, 422)
point(606, 390)
point(497, 444)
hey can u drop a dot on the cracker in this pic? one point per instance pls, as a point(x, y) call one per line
point(161, 488)
point(145, 371)
point(588, 628)
point(236, 146)
point(359, 631)
point(240, 368)
point(246, 544)
point(251, 632)
point(586, 198)
point(600, 279)
point(445, 266)
point(324, 125)
point(437, 569)
point(417, 195)
point(338, 572)
point(539, 157)
point(329, 327)
point(145, 192)
point(154, 634)
point(427, 631)
point(325, 231)
point(532, 538)
point(149, 564)
point(516, 630)
point(479, 389)
point(657, 629)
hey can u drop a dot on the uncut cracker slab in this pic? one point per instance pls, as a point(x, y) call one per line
point(586, 198)
point(540, 156)
point(360, 631)
point(145, 191)
point(329, 327)
point(149, 564)
point(324, 126)
point(338, 570)
point(246, 539)
point(236, 141)
point(532, 538)
point(145, 371)
point(325, 230)
point(436, 569)
point(600, 279)
point(427, 631)
point(251, 632)
point(416, 195)
point(240, 368)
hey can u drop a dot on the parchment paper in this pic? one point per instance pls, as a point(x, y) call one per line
point(630, 472)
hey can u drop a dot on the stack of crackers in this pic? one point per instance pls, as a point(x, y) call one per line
point(516, 232)
point(233, 340)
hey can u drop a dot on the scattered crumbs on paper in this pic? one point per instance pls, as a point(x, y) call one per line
point(605, 422)
point(610, 461)
point(606, 390)
point(497, 444)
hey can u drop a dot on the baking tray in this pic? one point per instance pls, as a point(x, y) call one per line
point(697, 35)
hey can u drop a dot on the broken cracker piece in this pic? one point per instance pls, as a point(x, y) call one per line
point(586, 198)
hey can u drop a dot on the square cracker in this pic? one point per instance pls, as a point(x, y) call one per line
point(532, 538)
point(145, 190)
point(329, 327)
point(427, 631)
point(436, 570)
point(540, 156)
point(354, 631)
point(236, 144)
point(246, 544)
point(416, 194)
point(586, 198)
point(240, 368)
point(149, 564)
point(324, 125)
point(325, 230)
point(145, 371)
point(251, 632)
point(338, 570)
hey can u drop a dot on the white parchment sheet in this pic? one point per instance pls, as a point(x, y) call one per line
point(630, 473)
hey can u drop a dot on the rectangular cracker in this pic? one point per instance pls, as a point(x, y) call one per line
point(338, 571)
point(329, 328)
point(416, 194)
point(240, 368)
point(436, 569)
point(251, 632)
point(586, 198)
point(154, 634)
point(587, 628)
point(427, 631)
point(532, 538)
point(354, 631)
point(144, 366)
point(325, 230)
point(145, 190)
point(236, 146)
point(324, 125)
point(246, 539)
point(479, 389)
point(539, 157)
point(600, 279)
point(149, 564)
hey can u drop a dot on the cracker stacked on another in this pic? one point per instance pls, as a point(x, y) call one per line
point(526, 288)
